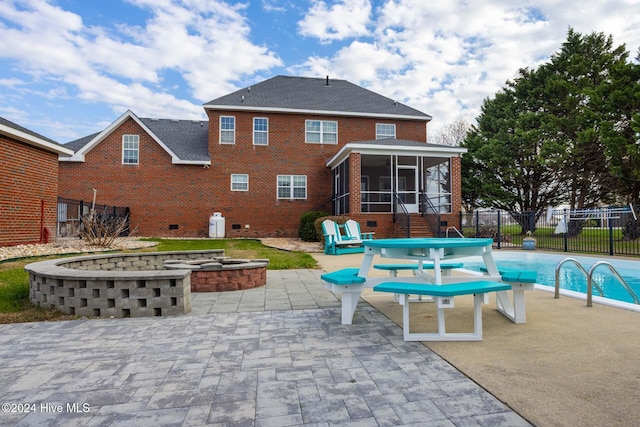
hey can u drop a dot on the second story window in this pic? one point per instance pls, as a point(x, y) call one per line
point(227, 130)
point(130, 149)
point(384, 131)
point(321, 132)
point(260, 131)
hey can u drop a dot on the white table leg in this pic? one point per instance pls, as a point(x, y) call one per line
point(477, 315)
point(367, 260)
point(349, 303)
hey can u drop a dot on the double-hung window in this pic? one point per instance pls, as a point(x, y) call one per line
point(321, 132)
point(292, 186)
point(260, 131)
point(384, 131)
point(239, 182)
point(227, 130)
point(130, 149)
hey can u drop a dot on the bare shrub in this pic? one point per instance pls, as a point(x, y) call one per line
point(102, 229)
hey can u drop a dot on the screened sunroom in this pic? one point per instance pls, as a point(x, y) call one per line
point(377, 176)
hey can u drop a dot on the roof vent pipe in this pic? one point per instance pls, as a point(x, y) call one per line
point(327, 80)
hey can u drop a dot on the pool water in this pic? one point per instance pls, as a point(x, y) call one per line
point(571, 278)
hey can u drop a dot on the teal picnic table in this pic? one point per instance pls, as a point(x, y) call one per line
point(437, 251)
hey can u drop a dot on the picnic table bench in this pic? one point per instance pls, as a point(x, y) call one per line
point(350, 285)
point(443, 295)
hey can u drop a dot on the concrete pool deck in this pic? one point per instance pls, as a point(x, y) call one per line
point(568, 365)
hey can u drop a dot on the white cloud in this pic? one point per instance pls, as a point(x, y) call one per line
point(344, 19)
point(205, 43)
point(445, 58)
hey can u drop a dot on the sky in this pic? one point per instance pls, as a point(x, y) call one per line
point(69, 68)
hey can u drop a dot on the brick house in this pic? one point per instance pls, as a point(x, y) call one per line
point(267, 154)
point(29, 185)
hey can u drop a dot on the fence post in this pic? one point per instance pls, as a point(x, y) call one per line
point(566, 231)
point(532, 221)
point(477, 223)
point(610, 221)
point(499, 240)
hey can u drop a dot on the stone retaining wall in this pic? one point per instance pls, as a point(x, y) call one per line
point(114, 285)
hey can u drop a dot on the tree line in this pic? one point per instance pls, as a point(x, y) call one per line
point(566, 132)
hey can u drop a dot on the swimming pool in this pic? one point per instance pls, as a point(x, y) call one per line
point(572, 281)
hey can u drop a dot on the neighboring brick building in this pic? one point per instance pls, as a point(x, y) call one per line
point(267, 154)
point(28, 185)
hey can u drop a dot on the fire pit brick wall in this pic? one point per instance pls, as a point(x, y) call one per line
point(228, 280)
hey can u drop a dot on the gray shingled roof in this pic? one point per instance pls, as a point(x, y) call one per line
point(16, 126)
point(187, 139)
point(313, 94)
point(79, 143)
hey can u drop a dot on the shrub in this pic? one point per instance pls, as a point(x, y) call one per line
point(307, 230)
point(102, 229)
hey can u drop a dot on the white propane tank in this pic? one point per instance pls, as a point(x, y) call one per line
point(216, 225)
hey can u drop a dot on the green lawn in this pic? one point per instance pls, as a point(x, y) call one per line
point(14, 280)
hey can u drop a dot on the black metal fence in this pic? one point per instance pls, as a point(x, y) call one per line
point(610, 230)
point(71, 212)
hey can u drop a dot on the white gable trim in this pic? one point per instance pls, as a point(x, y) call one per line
point(79, 155)
point(33, 140)
point(428, 150)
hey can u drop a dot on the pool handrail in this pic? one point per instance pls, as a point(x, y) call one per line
point(590, 282)
point(616, 275)
point(581, 268)
point(454, 229)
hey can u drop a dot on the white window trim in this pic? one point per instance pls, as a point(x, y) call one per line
point(291, 188)
point(235, 175)
point(306, 131)
point(137, 149)
point(380, 136)
point(227, 130)
point(260, 132)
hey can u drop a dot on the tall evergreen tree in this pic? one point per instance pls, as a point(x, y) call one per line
point(558, 134)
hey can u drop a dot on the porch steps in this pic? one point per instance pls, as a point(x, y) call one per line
point(419, 227)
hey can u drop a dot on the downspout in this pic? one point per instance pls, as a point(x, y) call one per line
point(44, 234)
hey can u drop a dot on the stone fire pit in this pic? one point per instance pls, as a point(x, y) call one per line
point(220, 274)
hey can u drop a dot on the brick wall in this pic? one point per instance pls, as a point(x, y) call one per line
point(157, 192)
point(161, 195)
point(29, 184)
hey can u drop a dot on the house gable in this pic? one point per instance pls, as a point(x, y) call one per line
point(173, 136)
